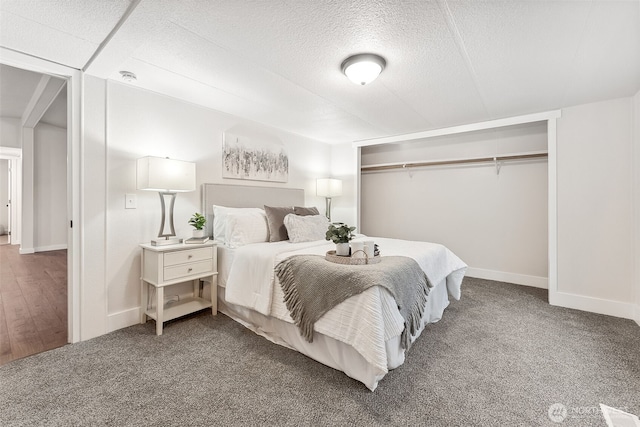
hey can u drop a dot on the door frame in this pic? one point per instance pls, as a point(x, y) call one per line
point(74, 242)
point(14, 156)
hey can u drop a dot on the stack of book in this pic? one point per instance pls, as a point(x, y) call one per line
point(196, 240)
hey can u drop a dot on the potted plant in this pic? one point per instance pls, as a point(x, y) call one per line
point(340, 234)
point(198, 222)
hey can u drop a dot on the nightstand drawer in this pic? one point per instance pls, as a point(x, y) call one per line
point(186, 270)
point(192, 255)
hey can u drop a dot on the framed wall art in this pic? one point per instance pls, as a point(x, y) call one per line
point(251, 159)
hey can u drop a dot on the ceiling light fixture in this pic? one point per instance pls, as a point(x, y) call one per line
point(363, 68)
point(128, 76)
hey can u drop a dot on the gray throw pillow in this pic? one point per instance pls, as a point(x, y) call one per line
point(302, 211)
point(275, 221)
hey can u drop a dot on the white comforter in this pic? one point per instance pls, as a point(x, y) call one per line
point(365, 321)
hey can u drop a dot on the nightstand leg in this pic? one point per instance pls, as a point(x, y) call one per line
point(159, 309)
point(214, 295)
point(144, 298)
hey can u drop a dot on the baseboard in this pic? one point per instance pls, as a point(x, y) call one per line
point(595, 305)
point(50, 248)
point(637, 318)
point(123, 319)
point(23, 251)
point(501, 276)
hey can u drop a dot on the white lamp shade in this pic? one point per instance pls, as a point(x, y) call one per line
point(328, 187)
point(161, 174)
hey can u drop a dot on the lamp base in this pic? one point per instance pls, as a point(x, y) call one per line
point(164, 242)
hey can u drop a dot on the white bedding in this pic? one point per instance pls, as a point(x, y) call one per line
point(368, 322)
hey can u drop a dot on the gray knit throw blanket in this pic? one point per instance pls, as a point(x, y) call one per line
point(312, 286)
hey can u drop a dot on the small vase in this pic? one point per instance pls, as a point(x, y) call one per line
point(342, 249)
point(199, 233)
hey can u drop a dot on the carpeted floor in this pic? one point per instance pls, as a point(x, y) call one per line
point(500, 356)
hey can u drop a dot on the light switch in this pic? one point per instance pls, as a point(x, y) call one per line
point(130, 201)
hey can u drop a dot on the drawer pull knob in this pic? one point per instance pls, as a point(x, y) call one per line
point(190, 256)
point(190, 270)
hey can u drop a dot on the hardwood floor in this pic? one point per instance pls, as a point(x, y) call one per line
point(33, 302)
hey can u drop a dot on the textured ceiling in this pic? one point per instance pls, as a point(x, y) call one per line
point(278, 62)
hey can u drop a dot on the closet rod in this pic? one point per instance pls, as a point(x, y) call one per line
point(452, 162)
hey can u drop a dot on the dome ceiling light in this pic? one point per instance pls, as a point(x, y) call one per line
point(363, 68)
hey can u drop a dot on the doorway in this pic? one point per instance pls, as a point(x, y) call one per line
point(73, 78)
point(5, 200)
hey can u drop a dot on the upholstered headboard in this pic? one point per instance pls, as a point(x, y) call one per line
point(244, 196)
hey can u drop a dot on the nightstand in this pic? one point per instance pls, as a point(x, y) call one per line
point(163, 266)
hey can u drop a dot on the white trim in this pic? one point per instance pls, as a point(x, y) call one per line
point(9, 152)
point(45, 93)
point(74, 256)
point(123, 319)
point(50, 248)
point(624, 310)
point(635, 149)
point(26, 251)
point(552, 207)
point(491, 124)
point(358, 188)
point(502, 276)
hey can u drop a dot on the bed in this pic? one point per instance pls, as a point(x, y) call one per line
point(360, 336)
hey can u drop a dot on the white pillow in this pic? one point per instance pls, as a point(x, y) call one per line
point(237, 227)
point(306, 228)
point(246, 227)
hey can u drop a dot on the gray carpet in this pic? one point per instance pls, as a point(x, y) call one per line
point(500, 356)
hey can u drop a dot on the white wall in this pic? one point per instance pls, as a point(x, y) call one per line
point(344, 164)
point(141, 123)
point(10, 132)
point(497, 223)
point(595, 207)
point(4, 196)
point(50, 188)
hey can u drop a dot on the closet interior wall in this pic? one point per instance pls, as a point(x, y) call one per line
point(495, 219)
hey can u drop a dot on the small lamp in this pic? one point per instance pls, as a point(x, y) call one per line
point(168, 177)
point(328, 188)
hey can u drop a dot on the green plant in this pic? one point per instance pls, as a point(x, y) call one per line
point(339, 232)
point(198, 221)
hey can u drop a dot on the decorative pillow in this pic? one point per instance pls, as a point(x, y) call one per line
point(246, 227)
point(306, 228)
point(299, 210)
point(228, 224)
point(275, 220)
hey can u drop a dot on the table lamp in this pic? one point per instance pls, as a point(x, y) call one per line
point(168, 177)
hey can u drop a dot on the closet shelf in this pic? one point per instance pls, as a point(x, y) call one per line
point(495, 159)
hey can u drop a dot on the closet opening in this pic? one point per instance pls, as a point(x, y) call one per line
point(487, 193)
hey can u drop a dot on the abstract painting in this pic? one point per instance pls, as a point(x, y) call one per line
point(245, 158)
